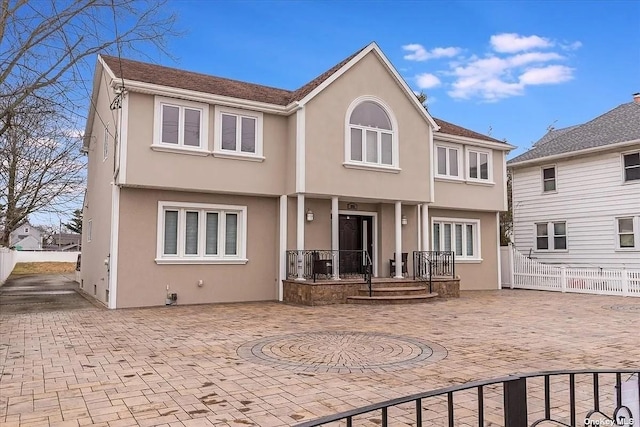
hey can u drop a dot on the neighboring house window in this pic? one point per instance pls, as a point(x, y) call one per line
point(632, 166)
point(199, 233)
point(371, 134)
point(479, 165)
point(26, 230)
point(89, 228)
point(180, 124)
point(461, 236)
point(551, 236)
point(448, 161)
point(627, 230)
point(549, 179)
point(238, 133)
point(105, 143)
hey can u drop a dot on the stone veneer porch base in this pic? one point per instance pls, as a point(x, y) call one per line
point(325, 292)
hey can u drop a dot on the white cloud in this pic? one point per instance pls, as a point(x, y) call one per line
point(512, 42)
point(551, 74)
point(419, 53)
point(571, 46)
point(427, 81)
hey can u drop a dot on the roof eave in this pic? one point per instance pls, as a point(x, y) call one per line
point(446, 137)
point(575, 153)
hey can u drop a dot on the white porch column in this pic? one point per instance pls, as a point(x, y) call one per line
point(398, 240)
point(300, 236)
point(335, 238)
point(282, 275)
point(424, 220)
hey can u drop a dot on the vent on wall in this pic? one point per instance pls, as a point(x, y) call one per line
point(106, 297)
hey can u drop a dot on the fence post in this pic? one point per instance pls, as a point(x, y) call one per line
point(625, 283)
point(515, 402)
point(563, 278)
point(300, 265)
point(512, 267)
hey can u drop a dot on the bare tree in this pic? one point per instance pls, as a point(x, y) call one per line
point(41, 167)
point(44, 44)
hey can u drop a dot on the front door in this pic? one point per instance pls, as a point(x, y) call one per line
point(356, 235)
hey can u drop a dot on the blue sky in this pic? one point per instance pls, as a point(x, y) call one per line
point(514, 67)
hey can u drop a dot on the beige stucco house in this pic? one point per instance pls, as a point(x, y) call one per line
point(198, 185)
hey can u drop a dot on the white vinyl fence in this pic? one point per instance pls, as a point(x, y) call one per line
point(8, 260)
point(528, 273)
point(46, 256)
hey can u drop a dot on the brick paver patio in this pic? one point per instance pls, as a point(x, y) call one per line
point(271, 364)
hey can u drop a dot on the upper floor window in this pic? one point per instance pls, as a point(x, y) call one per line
point(631, 166)
point(549, 179)
point(180, 124)
point(199, 233)
point(479, 166)
point(448, 161)
point(371, 134)
point(238, 133)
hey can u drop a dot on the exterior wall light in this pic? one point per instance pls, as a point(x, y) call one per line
point(404, 220)
point(309, 215)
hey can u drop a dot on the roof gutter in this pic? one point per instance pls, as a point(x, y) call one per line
point(576, 153)
point(472, 141)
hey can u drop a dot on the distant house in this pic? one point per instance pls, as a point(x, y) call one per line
point(26, 237)
point(576, 193)
point(65, 242)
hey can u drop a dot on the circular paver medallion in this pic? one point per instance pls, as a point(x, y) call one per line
point(624, 307)
point(341, 352)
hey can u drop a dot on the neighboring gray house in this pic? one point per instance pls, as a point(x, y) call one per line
point(26, 237)
point(576, 193)
point(65, 242)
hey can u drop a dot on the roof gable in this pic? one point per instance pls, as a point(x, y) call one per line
point(620, 125)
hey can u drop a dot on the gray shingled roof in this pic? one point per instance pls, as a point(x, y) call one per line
point(621, 124)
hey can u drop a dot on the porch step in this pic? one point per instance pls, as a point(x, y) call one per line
point(391, 299)
point(393, 291)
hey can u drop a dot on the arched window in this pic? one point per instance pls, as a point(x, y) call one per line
point(371, 135)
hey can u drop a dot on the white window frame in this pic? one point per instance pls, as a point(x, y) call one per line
point(636, 233)
point(555, 178)
point(201, 257)
point(105, 143)
point(158, 145)
point(477, 241)
point(476, 151)
point(89, 230)
point(447, 175)
point(395, 139)
point(218, 151)
point(624, 169)
point(551, 244)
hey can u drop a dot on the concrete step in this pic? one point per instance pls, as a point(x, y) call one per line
point(393, 291)
point(392, 299)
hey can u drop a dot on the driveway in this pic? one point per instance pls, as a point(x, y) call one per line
point(270, 364)
point(36, 293)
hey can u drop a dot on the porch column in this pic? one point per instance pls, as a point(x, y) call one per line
point(424, 220)
point(335, 238)
point(300, 236)
point(398, 240)
point(282, 275)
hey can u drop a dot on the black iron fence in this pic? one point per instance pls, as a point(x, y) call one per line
point(327, 264)
point(523, 397)
point(429, 264)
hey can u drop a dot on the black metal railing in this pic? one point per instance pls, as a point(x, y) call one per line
point(514, 408)
point(326, 264)
point(430, 264)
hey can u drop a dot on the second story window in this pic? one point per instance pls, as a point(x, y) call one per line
point(180, 124)
point(238, 133)
point(631, 166)
point(371, 135)
point(478, 165)
point(448, 162)
point(549, 179)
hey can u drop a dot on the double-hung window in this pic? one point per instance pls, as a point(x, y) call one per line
point(371, 138)
point(628, 232)
point(549, 179)
point(448, 161)
point(462, 236)
point(478, 165)
point(238, 133)
point(180, 125)
point(631, 166)
point(201, 234)
point(551, 236)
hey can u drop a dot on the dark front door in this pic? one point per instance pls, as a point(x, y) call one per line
point(355, 236)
